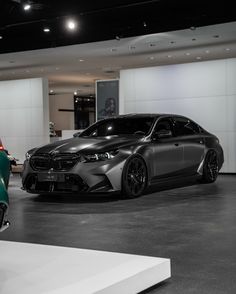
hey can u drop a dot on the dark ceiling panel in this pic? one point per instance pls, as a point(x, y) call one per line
point(101, 20)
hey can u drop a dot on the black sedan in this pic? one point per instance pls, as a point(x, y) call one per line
point(127, 153)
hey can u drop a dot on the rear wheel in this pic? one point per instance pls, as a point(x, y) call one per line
point(210, 167)
point(134, 179)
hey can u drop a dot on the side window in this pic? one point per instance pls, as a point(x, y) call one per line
point(185, 127)
point(163, 124)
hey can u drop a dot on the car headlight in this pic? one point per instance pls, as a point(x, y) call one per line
point(100, 156)
point(29, 153)
point(27, 156)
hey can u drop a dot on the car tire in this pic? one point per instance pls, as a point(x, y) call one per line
point(134, 177)
point(210, 167)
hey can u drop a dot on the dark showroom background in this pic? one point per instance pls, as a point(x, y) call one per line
point(168, 57)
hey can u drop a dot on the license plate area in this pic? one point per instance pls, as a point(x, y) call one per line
point(52, 177)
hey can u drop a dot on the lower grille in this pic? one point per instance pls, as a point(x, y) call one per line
point(71, 184)
point(60, 162)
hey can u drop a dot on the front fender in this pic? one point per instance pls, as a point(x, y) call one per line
point(3, 192)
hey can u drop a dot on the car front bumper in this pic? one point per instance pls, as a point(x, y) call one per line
point(101, 176)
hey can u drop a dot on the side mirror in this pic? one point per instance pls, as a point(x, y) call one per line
point(76, 134)
point(162, 134)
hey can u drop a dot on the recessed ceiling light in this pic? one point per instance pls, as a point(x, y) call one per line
point(144, 24)
point(187, 53)
point(1, 37)
point(169, 56)
point(227, 49)
point(81, 60)
point(71, 24)
point(75, 93)
point(46, 30)
point(27, 7)
point(51, 91)
point(151, 57)
point(207, 51)
point(198, 57)
point(192, 28)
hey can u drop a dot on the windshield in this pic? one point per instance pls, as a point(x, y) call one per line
point(118, 126)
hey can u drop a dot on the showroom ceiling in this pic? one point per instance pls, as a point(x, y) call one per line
point(22, 30)
point(128, 34)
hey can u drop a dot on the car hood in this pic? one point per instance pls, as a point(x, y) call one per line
point(88, 145)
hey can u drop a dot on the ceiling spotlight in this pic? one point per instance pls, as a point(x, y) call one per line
point(46, 30)
point(144, 24)
point(207, 51)
point(51, 91)
point(198, 58)
point(71, 25)
point(26, 6)
point(227, 49)
point(169, 56)
point(187, 53)
point(75, 93)
point(0, 37)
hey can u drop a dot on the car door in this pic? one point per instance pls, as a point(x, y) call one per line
point(190, 136)
point(167, 152)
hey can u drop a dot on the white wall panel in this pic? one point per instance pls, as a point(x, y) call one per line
point(204, 91)
point(24, 119)
point(231, 74)
point(231, 111)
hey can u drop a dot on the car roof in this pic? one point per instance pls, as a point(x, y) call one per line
point(155, 115)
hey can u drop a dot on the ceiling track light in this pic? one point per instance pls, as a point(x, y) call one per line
point(71, 24)
point(26, 6)
point(46, 30)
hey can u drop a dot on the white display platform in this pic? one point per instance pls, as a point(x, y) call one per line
point(32, 269)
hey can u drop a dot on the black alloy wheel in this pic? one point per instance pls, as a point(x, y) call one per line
point(134, 179)
point(210, 168)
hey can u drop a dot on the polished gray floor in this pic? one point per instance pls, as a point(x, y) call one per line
point(194, 225)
